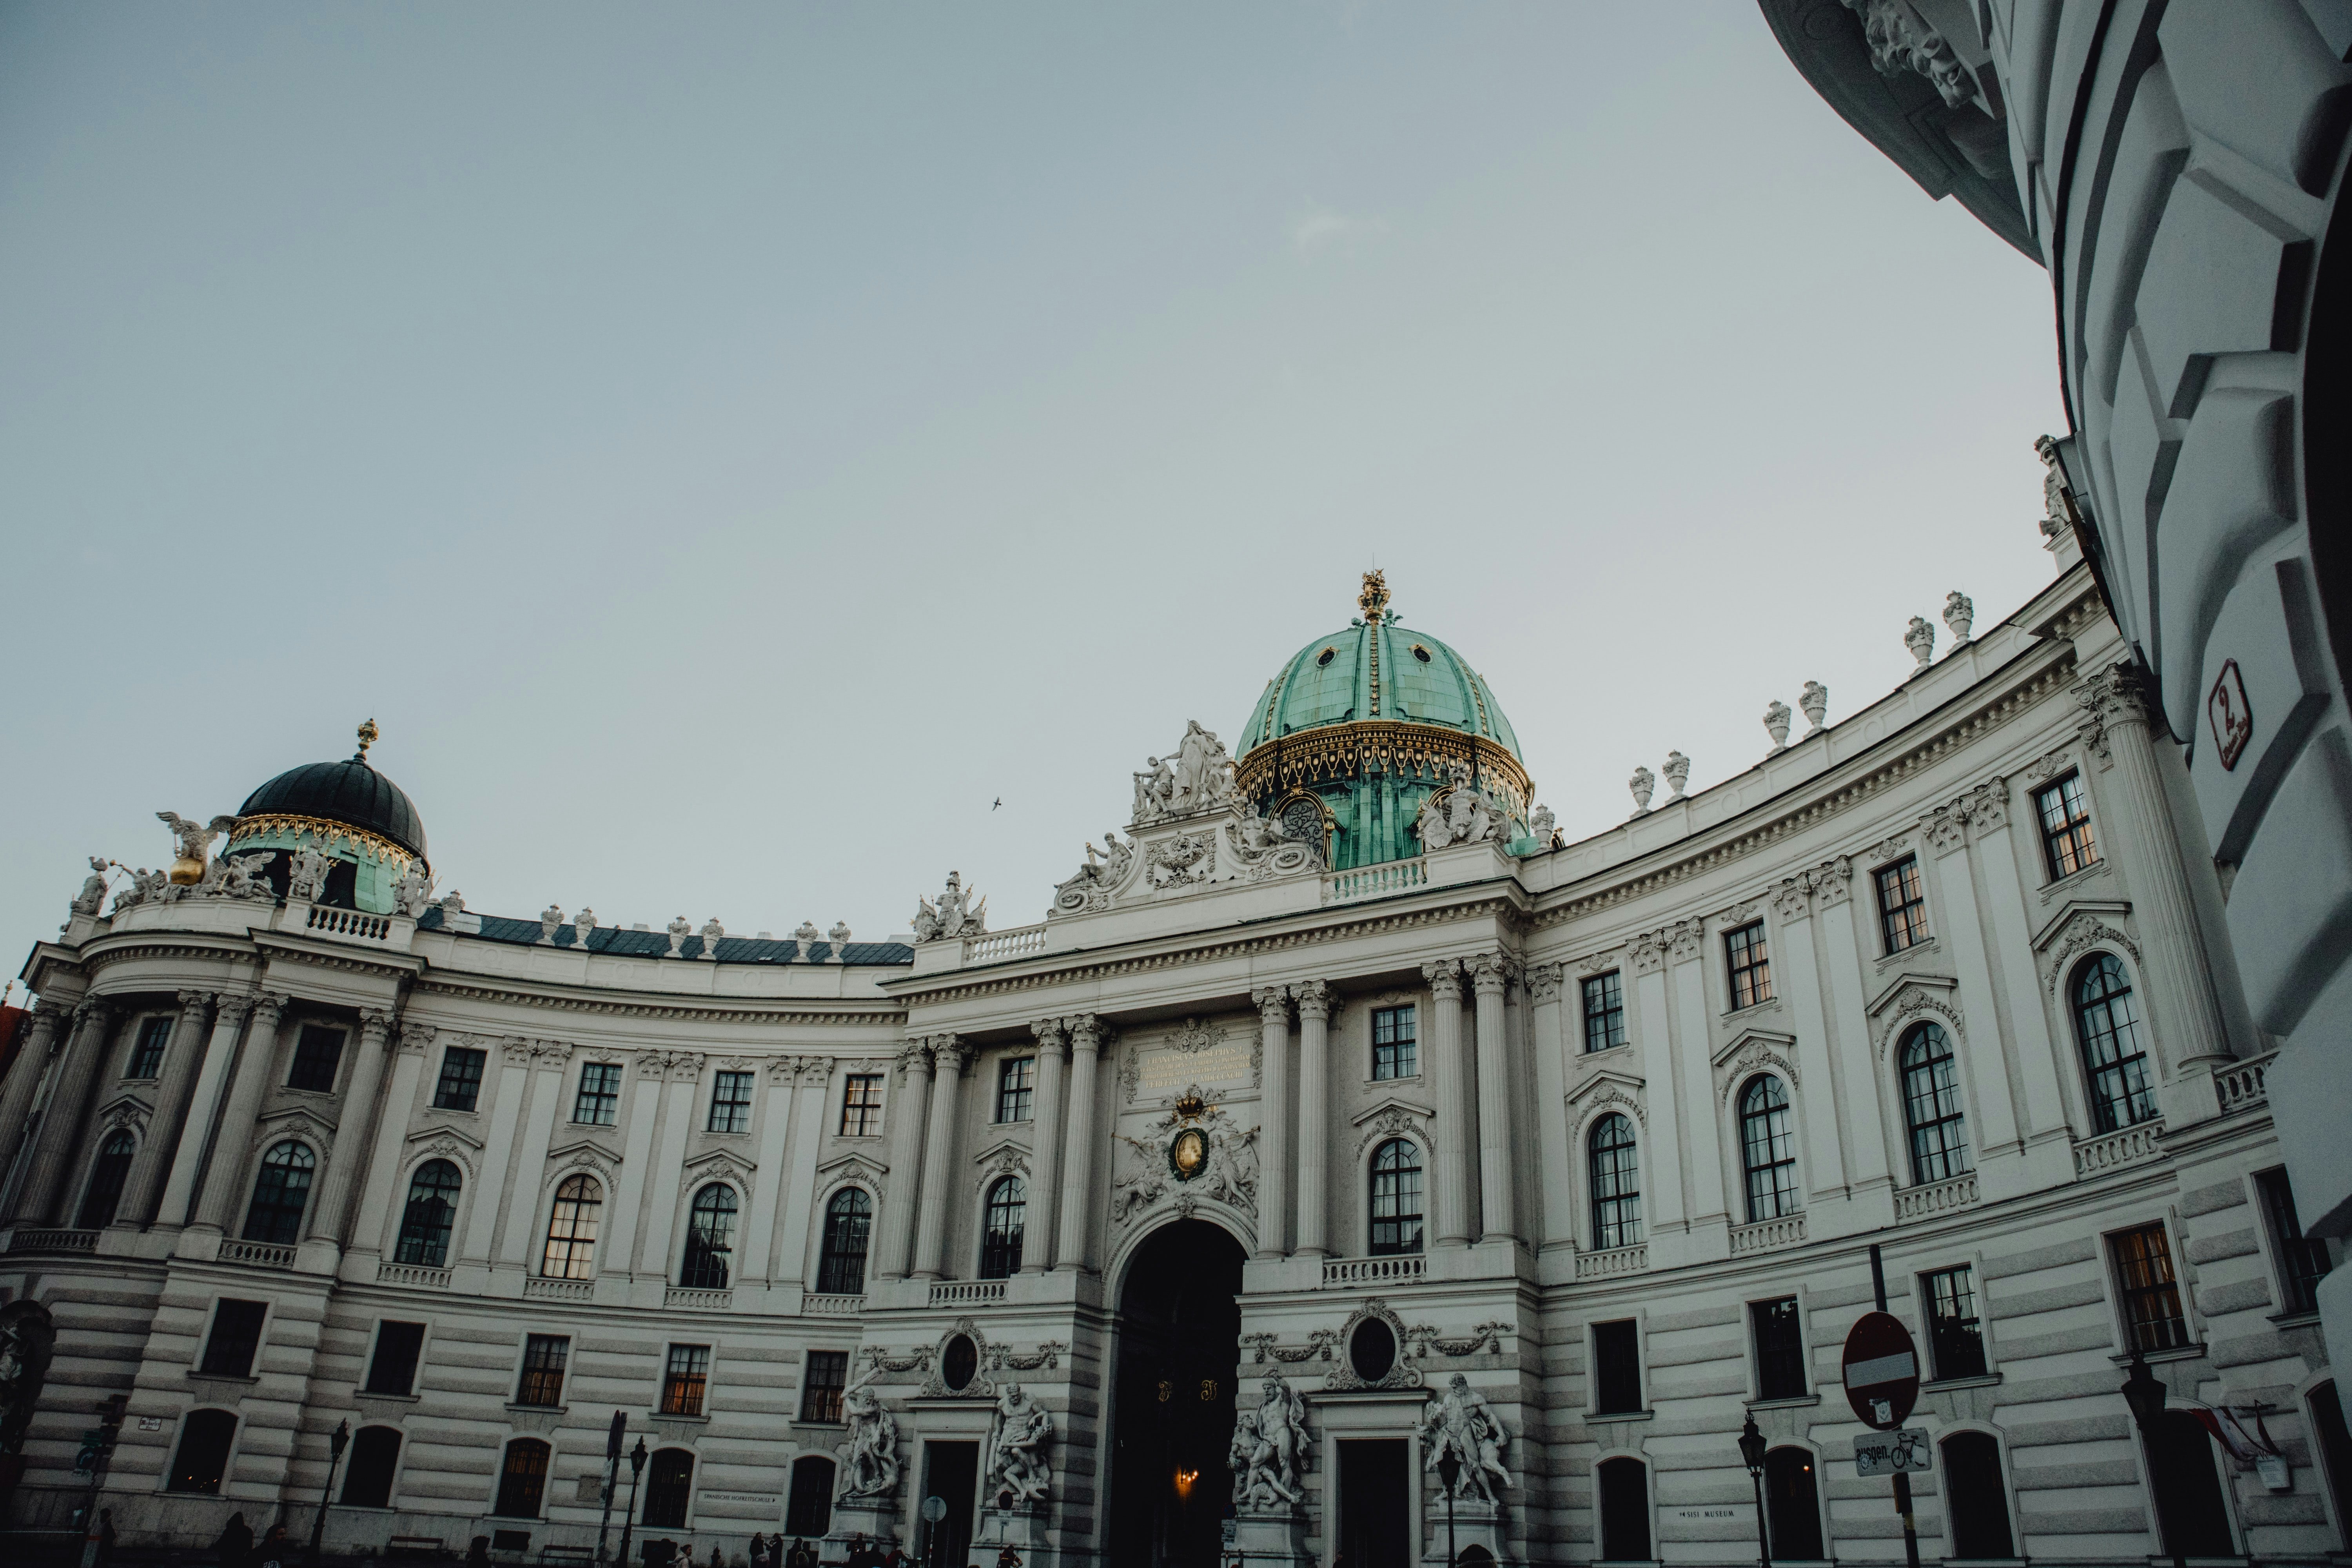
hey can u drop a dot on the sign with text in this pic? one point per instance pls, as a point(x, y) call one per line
point(1884, 1453)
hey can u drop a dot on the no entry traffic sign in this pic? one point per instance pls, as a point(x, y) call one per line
point(1882, 1370)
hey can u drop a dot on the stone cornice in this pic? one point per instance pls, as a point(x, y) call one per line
point(619, 1006)
point(1770, 822)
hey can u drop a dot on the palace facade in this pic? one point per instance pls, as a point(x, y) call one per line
point(1340, 1117)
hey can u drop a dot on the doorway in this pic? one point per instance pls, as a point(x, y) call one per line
point(1375, 1507)
point(952, 1474)
point(1178, 1356)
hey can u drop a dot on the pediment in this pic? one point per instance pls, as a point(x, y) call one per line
point(455, 1134)
point(1003, 1150)
point(1607, 1079)
point(2100, 910)
point(1393, 1103)
point(845, 1164)
point(578, 1148)
point(721, 1163)
point(1771, 1040)
point(1893, 988)
point(123, 1108)
point(297, 1118)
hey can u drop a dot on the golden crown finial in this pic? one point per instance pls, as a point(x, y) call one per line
point(1375, 596)
point(368, 732)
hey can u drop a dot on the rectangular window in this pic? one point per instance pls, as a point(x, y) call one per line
point(460, 1086)
point(2065, 826)
point(1955, 1336)
point(1616, 1369)
point(683, 1383)
point(393, 1368)
point(828, 1373)
point(599, 1100)
point(2303, 1259)
point(1751, 965)
point(235, 1336)
point(730, 1102)
point(1902, 905)
point(861, 1105)
point(1780, 1349)
point(2151, 1297)
point(1013, 1089)
point(316, 1055)
point(147, 1056)
point(544, 1357)
point(1395, 1049)
point(1605, 1011)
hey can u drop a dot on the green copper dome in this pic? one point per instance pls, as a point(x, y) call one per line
point(1366, 724)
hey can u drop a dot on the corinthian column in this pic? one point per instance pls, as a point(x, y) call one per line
point(229, 1013)
point(343, 1165)
point(949, 1058)
point(1544, 982)
point(1045, 1146)
point(1274, 1132)
point(153, 1160)
point(908, 1111)
point(1448, 1073)
point(1497, 1202)
point(1314, 1111)
point(2186, 1017)
point(1078, 1166)
point(16, 1090)
point(226, 1178)
point(366, 1232)
point(45, 1181)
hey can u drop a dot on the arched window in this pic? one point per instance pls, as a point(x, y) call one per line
point(1975, 1499)
point(668, 1483)
point(204, 1438)
point(107, 1174)
point(571, 1229)
point(841, 1258)
point(1792, 1504)
point(1616, 1183)
point(1624, 1510)
point(808, 1513)
point(2106, 1025)
point(1768, 1148)
point(431, 1210)
point(279, 1193)
point(709, 1238)
point(1396, 1198)
point(1931, 1104)
point(523, 1479)
point(1000, 1241)
point(375, 1456)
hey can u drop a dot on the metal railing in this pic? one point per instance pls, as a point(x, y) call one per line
point(1373, 1270)
point(1616, 1260)
point(1371, 881)
point(966, 1293)
point(1018, 942)
point(2127, 1147)
point(1936, 1197)
point(1766, 1235)
point(260, 1254)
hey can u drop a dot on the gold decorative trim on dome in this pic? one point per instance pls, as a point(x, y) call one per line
point(373, 848)
point(1351, 750)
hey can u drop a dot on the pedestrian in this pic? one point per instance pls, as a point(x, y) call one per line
point(757, 1552)
point(477, 1555)
point(1008, 1558)
point(236, 1542)
point(275, 1551)
point(802, 1555)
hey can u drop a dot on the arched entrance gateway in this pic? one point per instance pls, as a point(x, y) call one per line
point(1179, 1351)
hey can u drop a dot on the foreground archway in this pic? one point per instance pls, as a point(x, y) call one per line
point(1178, 1356)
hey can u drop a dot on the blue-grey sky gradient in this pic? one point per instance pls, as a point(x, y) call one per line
point(726, 449)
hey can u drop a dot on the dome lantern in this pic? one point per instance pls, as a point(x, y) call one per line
point(349, 812)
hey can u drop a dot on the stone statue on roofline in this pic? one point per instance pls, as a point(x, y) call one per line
point(953, 916)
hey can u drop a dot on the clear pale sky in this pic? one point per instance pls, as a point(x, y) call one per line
point(728, 448)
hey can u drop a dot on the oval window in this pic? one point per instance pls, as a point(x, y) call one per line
point(959, 1363)
point(1421, 653)
point(1325, 657)
point(1371, 1350)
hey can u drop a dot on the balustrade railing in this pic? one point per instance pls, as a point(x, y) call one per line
point(559, 1290)
point(1936, 1197)
point(695, 1300)
point(351, 923)
point(1616, 1260)
point(45, 1240)
point(2240, 1085)
point(1766, 1235)
point(2127, 1147)
point(966, 1293)
point(1338, 1271)
point(832, 1306)
point(412, 1274)
point(1371, 881)
point(1018, 942)
point(259, 1254)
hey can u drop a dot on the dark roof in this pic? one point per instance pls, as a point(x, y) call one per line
point(655, 943)
point(351, 792)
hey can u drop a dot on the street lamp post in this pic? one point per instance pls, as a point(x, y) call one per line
point(1752, 1454)
point(611, 1479)
point(336, 1442)
point(1449, 1470)
point(629, 1520)
point(2145, 1393)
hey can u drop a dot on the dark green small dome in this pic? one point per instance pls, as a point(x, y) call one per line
point(350, 793)
point(1380, 670)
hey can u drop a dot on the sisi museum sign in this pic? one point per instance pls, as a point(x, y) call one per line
point(1349, 1163)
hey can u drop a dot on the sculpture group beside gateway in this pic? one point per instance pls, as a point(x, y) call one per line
point(1341, 1117)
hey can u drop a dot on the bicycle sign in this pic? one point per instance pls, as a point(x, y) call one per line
point(1884, 1453)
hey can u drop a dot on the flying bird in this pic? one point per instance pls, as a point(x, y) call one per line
point(1000, 801)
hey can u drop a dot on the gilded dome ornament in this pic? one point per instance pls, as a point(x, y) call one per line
point(1374, 599)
